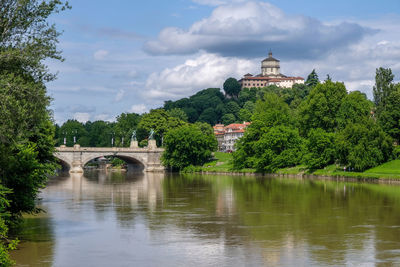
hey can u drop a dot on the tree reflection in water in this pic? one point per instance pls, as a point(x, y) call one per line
point(175, 219)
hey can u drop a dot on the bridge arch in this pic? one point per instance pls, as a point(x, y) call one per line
point(64, 162)
point(130, 159)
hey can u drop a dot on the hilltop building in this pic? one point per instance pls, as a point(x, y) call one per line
point(270, 75)
point(228, 135)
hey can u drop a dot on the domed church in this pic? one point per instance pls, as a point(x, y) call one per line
point(270, 75)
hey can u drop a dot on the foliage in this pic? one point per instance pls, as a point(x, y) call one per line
point(124, 127)
point(279, 147)
point(228, 119)
point(195, 106)
point(272, 111)
point(6, 245)
point(320, 149)
point(312, 79)
point(187, 145)
point(178, 113)
point(363, 146)
point(232, 87)
point(389, 115)
point(355, 107)
point(26, 37)
point(75, 128)
point(160, 121)
point(321, 106)
point(383, 86)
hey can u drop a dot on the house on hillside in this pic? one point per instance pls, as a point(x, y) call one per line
point(228, 135)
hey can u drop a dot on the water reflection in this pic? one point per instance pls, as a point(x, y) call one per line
point(120, 219)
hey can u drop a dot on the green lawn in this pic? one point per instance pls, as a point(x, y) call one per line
point(223, 163)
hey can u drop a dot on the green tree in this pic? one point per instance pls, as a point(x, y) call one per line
point(271, 141)
point(124, 127)
point(355, 108)
point(279, 147)
point(228, 119)
point(363, 145)
point(98, 134)
point(187, 145)
point(312, 79)
point(389, 116)
point(158, 120)
point(247, 111)
point(232, 87)
point(178, 113)
point(320, 149)
point(5, 244)
point(383, 86)
point(209, 115)
point(26, 129)
point(321, 106)
point(74, 128)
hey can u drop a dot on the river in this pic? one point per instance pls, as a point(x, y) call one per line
point(119, 219)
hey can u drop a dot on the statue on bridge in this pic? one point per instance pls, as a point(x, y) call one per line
point(151, 136)
point(133, 137)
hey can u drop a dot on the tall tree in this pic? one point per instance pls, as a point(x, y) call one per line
point(383, 86)
point(312, 79)
point(27, 39)
point(320, 108)
point(188, 145)
point(232, 87)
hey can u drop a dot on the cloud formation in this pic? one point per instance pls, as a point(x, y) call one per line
point(249, 29)
point(203, 71)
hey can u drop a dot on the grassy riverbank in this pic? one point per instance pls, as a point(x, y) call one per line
point(388, 170)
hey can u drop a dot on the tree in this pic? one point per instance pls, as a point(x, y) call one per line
point(228, 119)
point(26, 129)
point(271, 141)
point(233, 108)
point(26, 37)
point(312, 79)
point(74, 128)
point(383, 86)
point(158, 120)
point(187, 145)
point(362, 146)
point(389, 116)
point(355, 107)
point(209, 115)
point(321, 106)
point(232, 87)
point(247, 111)
point(178, 113)
point(280, 146)
point(124, 127)
point(320, 149)
point(272, 111)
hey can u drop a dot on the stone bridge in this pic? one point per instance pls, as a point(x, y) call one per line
point(147, 159)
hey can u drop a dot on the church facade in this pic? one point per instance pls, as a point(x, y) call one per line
point(270, 75)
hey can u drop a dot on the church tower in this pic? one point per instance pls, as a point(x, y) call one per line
point(270, 66)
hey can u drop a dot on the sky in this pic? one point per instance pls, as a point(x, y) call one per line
point(131, 56)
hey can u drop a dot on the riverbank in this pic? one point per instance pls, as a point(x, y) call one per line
point(222, 165)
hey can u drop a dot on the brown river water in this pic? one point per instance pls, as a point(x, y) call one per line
point(131, 219)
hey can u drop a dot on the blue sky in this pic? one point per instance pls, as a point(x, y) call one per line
point(130, 56)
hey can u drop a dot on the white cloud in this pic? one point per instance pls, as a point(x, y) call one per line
point(82, 116)
point(206, 70)
point(248, 29)
point(140, 108)
point(120, 95)
point(104, 117)
point(100, 54)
